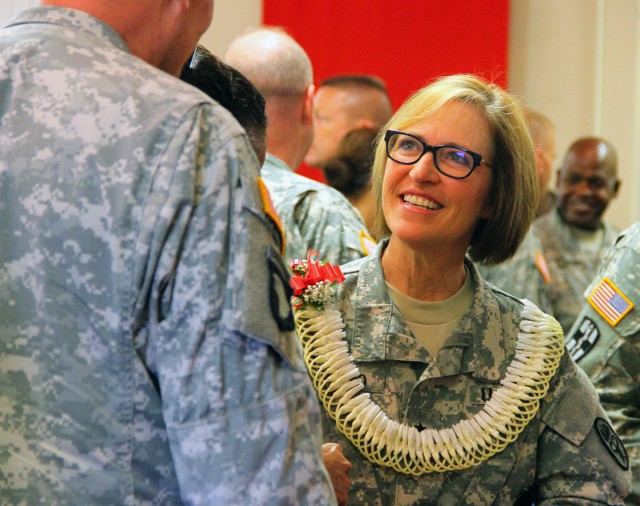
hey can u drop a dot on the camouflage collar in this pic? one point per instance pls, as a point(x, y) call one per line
point(69, 18)
point(477, 347)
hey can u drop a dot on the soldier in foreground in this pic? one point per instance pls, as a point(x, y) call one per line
point(146, 352)
point(443, 390)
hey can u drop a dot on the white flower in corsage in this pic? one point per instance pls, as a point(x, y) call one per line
point(313, 283)
point(387, 442)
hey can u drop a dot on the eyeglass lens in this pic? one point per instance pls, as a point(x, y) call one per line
point(450, 160)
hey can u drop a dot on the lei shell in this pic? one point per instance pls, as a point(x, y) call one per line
point(338, 382)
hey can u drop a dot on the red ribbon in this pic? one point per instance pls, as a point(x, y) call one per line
point(316, 272)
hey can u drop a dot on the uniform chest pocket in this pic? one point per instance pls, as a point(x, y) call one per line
point(374, 376)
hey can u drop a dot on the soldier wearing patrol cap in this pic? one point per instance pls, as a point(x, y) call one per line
point(146, 345)
point(605, 342)
point(313, 214)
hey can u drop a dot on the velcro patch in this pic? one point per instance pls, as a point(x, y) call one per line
point(583, 339)
point(612, 442)
point(279, 291)
point(609, 301)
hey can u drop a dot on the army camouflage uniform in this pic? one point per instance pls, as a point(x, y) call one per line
point(145, 347)
point(558, 457)
point(571, 269)
point(522, 275)
point(315, 216)
point(610, 354)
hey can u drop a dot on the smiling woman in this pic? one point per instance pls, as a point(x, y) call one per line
point(436, 370)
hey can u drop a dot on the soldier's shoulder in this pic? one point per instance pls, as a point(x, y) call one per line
point(630, 237)
point(157, 94)
point(504, 299)
point(323, 194)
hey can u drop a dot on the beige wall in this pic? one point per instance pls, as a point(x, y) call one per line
point(231, 18)
point(578, 61)
point(10, 7)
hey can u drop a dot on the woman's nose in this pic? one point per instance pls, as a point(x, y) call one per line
point(424, 170)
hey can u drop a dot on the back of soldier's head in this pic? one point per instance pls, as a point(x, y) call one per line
point(233, 91)
point(272, 60)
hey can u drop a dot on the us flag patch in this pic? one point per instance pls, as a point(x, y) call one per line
point(610, 302)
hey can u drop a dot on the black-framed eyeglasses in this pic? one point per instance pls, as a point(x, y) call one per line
point(452, 161)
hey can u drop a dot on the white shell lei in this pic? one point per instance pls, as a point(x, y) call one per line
point(540, 345)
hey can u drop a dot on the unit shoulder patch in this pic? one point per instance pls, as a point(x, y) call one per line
point(612, 442)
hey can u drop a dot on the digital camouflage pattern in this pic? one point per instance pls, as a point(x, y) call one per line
point(314, 216)
point(610, 355)
point(521, 275)
point(570, 268)
point(558, 458)
point(141, 361)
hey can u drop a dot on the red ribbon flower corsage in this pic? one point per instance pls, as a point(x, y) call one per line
point(313, 282)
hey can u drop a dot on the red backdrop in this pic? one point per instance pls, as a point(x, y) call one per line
point(405, 42)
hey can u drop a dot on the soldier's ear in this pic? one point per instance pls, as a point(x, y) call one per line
point(616, 187)
point(307, 110)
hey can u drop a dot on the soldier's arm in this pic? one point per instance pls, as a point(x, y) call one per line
point(618, 386)
point(339, 233)
point(580, 458)
point(241, 416)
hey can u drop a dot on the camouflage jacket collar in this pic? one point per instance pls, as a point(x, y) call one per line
point(476, 347)
point(568, 245)
point(276, 163)
point(69, 18)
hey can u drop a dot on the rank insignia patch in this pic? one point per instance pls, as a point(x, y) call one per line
point(610, 302)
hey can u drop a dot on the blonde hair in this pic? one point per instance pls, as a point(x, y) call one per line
point(514, 192)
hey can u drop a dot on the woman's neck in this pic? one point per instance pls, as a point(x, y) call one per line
point(430, 276)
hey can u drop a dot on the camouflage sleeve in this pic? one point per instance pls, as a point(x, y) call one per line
point(580, 458)
point(336, 227)
point(618, 386)
point(242, 418)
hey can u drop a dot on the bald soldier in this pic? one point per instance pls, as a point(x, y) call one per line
point(146, 352)
point(313, 215)
point(574, 236)
point(342, 104)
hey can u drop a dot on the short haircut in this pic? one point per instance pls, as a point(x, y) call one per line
point(272, 60)
point(231, 90)
point(356, 80)
point(514, 193)
point(537, 123)
point(350, 170)
point(374, 106)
